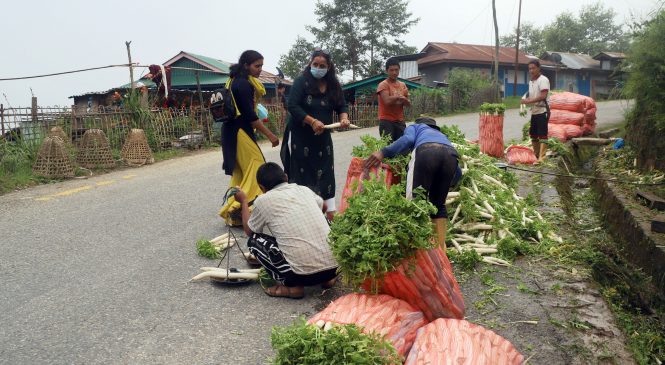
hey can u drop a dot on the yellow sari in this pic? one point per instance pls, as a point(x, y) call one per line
point(248, 160)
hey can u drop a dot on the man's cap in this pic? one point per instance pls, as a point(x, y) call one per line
point(428, 121)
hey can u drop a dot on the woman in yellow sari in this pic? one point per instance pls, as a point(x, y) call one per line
point(242, 156)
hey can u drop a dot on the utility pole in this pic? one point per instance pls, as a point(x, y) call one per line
point(131, 68)
point(496, 52)
point(517, 49)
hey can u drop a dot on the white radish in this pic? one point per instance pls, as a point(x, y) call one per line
point(457, 245)
point(489, 207)
point(457, 211)
point(478, 227)
point(486, 215)
point(328, 326)
point(320, 323)
point(475, 187)
point(224, 275)
point(250, 271)
point(496, 261)
point(494, 181)
point(338, 125)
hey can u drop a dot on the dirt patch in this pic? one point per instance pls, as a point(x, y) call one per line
point(552, 314)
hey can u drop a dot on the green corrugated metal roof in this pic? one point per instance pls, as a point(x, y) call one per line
point(380, 77)
point(222, 65)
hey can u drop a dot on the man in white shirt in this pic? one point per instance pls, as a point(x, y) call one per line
point(296, 251)
point(539, 86)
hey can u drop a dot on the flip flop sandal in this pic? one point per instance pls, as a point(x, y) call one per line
point(280, 291)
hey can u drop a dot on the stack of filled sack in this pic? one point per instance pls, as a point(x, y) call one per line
point(573, 115)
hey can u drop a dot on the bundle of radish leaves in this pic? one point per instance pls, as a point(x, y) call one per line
point(328, 343)
point(488, 221)
point(213, 248)
point(372, 144)
point(378, 230)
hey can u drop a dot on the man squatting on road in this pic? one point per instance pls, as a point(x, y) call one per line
point(296, 252)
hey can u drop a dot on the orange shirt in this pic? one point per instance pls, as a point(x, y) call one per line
point(392, 112)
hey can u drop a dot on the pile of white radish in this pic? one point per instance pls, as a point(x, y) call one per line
point(224, 274)
point(486, 209)
point(223, 242)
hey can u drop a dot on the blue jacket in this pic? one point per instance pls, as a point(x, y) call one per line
point(414, 136)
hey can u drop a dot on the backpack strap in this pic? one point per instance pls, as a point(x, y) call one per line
point(233, 99)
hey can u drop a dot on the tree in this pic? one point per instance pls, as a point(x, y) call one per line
point(531, 39)
point(360, 34)
point(602, 33)
point(296, 59)
point(592, 31)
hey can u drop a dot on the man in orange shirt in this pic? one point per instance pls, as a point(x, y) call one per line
point(393, 97)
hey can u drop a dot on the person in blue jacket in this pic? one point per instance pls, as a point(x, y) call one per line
point(433, 166)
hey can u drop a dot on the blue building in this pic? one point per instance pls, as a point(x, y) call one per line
point(440, 58)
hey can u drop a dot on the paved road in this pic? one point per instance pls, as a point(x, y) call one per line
point(95, 270)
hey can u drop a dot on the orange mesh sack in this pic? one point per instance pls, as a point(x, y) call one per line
point(427, 283)
point(557, 131)
point(572, 131)
point(491, 134)
point(566, 117)
point(457, 342)
point(520, 155)
point(588, 128)
point(355, 176)
point(383, 314)
point(568, 101)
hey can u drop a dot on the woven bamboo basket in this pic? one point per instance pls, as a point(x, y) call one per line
point(94, 150)
point(53, 160)
point(58, 132)
point(136, 150)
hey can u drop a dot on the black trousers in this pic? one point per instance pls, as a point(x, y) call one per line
point(434, 168)
point(266, 250)
point(391, 128)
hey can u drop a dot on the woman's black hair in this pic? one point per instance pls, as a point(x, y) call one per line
point(333, 87)
point(246, 58)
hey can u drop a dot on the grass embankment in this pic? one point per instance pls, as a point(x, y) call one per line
point(17, 159)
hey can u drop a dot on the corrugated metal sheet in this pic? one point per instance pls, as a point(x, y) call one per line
point(451, 52)
point(408, 69)
point(574, 61)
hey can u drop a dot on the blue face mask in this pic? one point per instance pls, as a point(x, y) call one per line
point(318, 73)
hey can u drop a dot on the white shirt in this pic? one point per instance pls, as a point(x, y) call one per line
point(535, 87)
point(292, 214)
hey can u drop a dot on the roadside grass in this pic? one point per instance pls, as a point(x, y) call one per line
point(16, 160)
point(637, 307)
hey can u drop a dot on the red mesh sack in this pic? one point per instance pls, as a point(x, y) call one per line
point(557, 131)
point(355, 176)
point(588, 128)
point(572, 131)
point(590, 114)
point(589, 103)
point(383, 314)
point(568, 101)
point(457, 342)
point(520, 155)
point(427, 283)
point(566, 117)
point(491, 134)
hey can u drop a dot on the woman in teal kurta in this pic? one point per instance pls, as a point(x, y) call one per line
point(314, 96)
